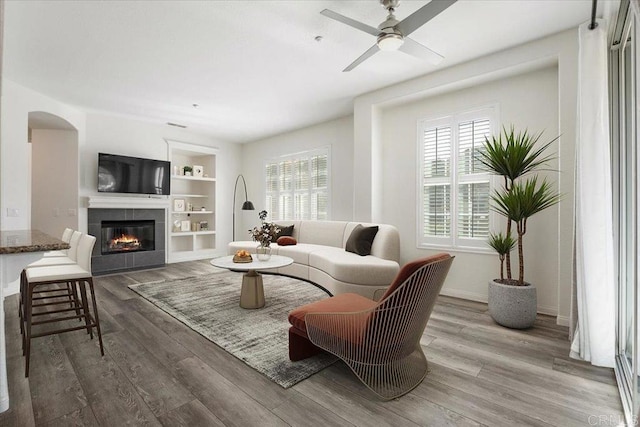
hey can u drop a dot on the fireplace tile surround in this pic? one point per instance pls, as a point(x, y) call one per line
point(119, 262)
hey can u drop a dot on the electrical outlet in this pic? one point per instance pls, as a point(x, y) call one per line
point(71, 212)
point(13, 212)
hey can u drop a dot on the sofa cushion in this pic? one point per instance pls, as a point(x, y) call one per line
point(351, 268)
point(343, 303)
point(299, 253)
point(286, 241)
point(327, 233)
point(361, 239)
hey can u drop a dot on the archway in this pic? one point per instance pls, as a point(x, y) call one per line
point(54, 173)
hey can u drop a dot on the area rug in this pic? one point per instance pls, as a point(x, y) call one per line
point(209, 306)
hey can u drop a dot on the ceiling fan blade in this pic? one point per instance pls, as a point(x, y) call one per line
point(414, 48)
point(368, 54)
point(351, 22)
point(423, 15)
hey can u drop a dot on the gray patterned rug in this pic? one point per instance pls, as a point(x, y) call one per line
point(209, 305)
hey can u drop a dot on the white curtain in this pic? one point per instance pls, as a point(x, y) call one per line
point(594, 335)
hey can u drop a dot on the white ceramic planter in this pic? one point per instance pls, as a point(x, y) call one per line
point(513, 306)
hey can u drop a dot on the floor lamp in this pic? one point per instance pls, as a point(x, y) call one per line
point(246, 206)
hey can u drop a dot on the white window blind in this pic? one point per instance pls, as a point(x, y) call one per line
point(297, 186)
point(454, 189)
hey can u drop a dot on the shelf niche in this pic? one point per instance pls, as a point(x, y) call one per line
point(194, 192)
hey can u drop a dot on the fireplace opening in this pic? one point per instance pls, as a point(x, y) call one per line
point(127, 236)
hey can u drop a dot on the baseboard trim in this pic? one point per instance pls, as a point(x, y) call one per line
point(457, 293)
point(563, 321)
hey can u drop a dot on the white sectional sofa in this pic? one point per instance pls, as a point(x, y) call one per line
point(320, 257)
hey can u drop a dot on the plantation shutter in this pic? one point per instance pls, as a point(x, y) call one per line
point(436, 197)
point(473, 182)
point(454, 187)
point(319, 187)
point(286, 190)
point(300, 184)
point(272, 201)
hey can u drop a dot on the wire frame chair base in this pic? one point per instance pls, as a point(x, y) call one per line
point(382, 345)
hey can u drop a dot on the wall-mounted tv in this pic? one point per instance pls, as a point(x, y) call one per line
point(123, 174)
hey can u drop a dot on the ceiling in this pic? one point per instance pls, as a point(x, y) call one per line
point(253, 67)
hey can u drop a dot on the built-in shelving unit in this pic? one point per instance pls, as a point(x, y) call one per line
point(192, 208)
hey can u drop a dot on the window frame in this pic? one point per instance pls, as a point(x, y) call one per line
point(453, 241)
point(307, 154)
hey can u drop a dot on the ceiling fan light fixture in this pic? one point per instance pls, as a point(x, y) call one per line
point(390, 42)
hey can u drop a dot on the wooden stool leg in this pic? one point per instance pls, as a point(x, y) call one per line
point(23, 279)
point(69, 290)
point(85, 305)
point(27, 340)
point(95, 313)
point(76, 298)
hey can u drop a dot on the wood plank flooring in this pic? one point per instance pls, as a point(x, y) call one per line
point(158, 372)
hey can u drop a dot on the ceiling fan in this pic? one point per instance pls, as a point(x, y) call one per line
point(392, 34)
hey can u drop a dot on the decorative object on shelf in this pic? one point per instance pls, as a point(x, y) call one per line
point(203, 209)
point(204, 225)
point(513, 302)
point(198, 171)
point(246, 206)
point(177, 225)
point(176, 170)
point(178, 205)
point(189, 207)
point(264, 235)
point(187, 170)
point(185, 225)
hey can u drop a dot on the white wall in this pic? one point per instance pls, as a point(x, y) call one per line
point(560, 49)
point(528, 100)
point(337, 134)
point(54, 186)
point(15, 151)
point(119, 135)
point(96, 133)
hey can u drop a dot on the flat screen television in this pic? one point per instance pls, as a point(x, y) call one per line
point(123, 174)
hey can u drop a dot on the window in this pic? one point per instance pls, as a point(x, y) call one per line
point(297, 186)
point(454, 190)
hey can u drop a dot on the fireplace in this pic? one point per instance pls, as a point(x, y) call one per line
point(127, 239)
point(127, 236)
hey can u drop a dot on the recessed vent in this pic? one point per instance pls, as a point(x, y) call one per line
point(177, 125)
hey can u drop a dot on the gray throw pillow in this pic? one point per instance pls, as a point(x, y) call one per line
point(361, 239)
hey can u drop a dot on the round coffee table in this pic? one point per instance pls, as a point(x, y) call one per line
point(252, 293)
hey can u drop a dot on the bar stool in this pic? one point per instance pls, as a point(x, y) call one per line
point(80, 276)
point(66, 237)
point(69, 259)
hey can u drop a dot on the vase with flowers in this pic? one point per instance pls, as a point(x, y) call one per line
point(264, 235)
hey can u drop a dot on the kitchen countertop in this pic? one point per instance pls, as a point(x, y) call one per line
point(21, 241)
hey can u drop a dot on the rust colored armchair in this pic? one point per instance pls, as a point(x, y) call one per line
point(379, 341)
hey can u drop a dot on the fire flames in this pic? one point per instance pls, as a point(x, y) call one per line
point(124, 243)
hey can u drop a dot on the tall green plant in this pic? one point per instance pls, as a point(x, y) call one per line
point(522, 202)
point(503, 245)
point(512, 154)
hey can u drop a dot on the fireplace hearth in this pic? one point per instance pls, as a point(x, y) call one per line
point(127, 239)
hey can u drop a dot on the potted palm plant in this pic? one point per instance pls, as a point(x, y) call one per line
point(513, 302)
